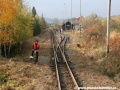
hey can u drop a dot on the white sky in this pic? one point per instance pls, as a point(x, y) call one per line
point(56, 8)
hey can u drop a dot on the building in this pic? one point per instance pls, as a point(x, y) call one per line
point(67, 26)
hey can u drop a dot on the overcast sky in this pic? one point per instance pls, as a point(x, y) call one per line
point(56, 8)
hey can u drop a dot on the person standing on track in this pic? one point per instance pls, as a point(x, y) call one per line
point(60, 38)
point(55, 31)
point(61, 30)
point(35, 50)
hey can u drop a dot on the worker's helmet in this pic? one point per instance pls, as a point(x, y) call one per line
point(36, 40)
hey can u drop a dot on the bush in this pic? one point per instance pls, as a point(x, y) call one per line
point(111, 66)
point(115, 41)
point(102, 52)
point(3, 79)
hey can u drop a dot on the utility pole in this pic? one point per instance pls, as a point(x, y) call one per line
point(108, 27)
point(80, 19)
point(65, 16)
point(71, 15)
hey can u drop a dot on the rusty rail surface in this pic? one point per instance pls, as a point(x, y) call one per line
point(62, 67)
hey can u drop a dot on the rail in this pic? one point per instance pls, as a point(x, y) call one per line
point(65, 60)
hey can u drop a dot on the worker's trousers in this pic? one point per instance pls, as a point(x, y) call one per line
point(36, 60)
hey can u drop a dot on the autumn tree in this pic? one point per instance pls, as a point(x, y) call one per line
point(8, 10)
point(94, 29)
point(22, 25)
point(15, 27)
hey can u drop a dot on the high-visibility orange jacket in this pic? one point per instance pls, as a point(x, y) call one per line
point(36, 46)
point(60, 37)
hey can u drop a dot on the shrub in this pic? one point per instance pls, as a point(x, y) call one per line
point(115, 41)
point(111, 66)
point(3, 79)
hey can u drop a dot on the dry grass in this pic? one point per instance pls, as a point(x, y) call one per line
point(19, 73)
point(111, 65)
point(115, 41)
point(90, 63)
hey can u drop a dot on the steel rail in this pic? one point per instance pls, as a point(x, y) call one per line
point(70, 72)
point(56, 67)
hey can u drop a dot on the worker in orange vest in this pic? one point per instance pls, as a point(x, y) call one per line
point(60, 38)
point(35, 50)
point(55, 31)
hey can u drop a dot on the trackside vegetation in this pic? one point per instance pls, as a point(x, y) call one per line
point(17, 24)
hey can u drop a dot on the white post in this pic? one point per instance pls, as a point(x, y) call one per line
point(65, 16)
point(80, 19)
point(71, 15)
point(108, 27)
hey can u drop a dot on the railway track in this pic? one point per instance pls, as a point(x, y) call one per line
point(65, 77)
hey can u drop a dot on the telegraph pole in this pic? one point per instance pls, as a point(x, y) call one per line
point(71, 15)
point(80, 19)
point(108, 27)
point(65, 16)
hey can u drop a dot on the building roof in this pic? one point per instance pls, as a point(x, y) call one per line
point(80, 18)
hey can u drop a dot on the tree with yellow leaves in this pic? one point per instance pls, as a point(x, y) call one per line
point(15, 24)
point(22, 25)
point(8, 9)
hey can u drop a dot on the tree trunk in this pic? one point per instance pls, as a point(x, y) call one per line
point(5, 50)
point(9, 48)
point(21, 45)
point(0, 51)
